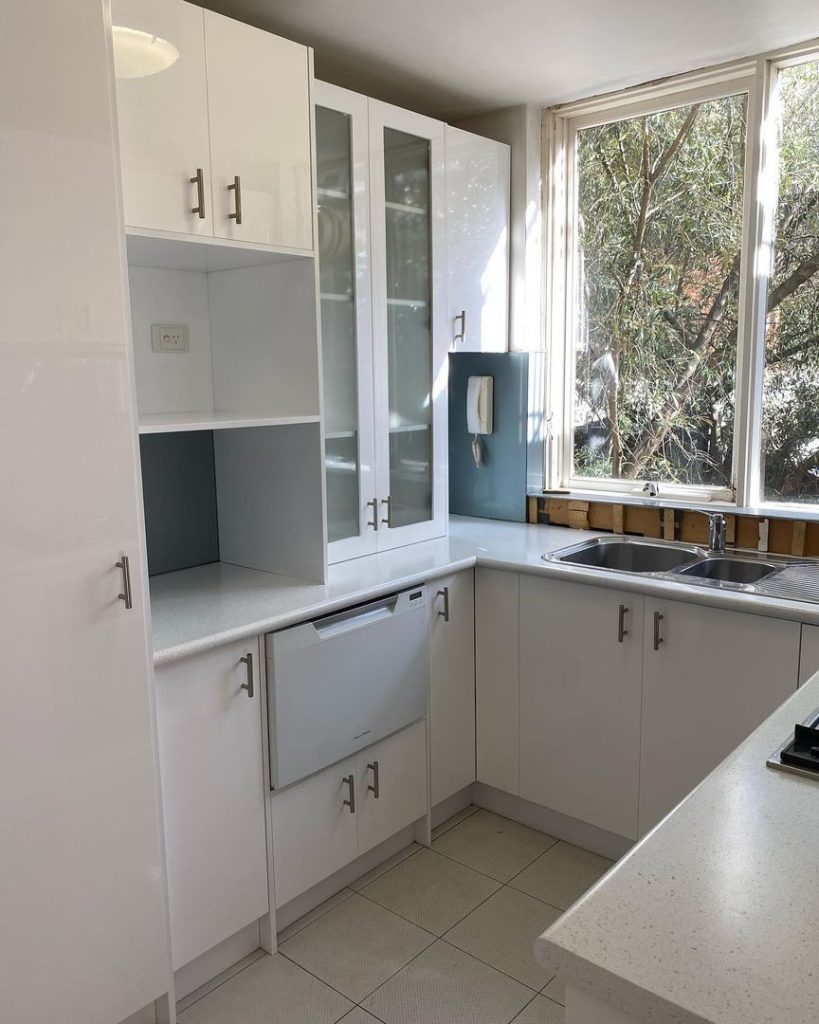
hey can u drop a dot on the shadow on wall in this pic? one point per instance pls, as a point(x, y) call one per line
point(496, 489)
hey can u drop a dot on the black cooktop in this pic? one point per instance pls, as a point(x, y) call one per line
point(800, 754)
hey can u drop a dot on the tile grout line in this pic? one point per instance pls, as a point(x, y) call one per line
point(485, 875)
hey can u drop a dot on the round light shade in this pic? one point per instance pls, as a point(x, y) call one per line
point(138, 54)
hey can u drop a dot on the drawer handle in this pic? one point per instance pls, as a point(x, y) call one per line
point(460, 335)
point(388, 502)
point(658, 618)
point(124, 565)
point(248, 661)
point(374, 788)
point(444, 613)
point(349, 780)
point(237, 188)
point(199, 180)
point(374, 521)
point(621, 624)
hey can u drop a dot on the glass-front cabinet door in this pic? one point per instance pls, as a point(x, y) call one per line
point(409, 323)
point(342, 170)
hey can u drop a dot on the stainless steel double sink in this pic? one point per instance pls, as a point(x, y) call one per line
point(666, 560)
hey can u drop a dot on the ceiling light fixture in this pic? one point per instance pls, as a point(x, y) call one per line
point(138, 54)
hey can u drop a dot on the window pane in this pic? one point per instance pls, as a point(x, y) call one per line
point(790, 410)
point(659, 225)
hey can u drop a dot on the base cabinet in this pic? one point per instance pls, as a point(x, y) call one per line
point(808, 653)
point(710, 677)
point(325, 822)
point(451, 684)
point(581, 656)
point(210, 751)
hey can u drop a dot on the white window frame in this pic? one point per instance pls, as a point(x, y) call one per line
point(757, 78)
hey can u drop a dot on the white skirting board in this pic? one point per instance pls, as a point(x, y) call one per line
point(447, 808)
point(222, 957)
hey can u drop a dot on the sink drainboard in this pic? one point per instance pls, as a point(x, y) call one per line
point(797, 582)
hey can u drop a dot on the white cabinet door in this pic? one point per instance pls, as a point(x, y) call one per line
point(392, 785)
point(315, 831)
point(452, 684)
point(82, 896)
point(497, 679)
point(260, 124)
point(163, 116)
point(809, 653)
point(477, 227)
point(710, 678)
point(210, 750)
point(581, 657)
point(408, 232)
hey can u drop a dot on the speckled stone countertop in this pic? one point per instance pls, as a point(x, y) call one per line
point(198, 609)
point(713, 916)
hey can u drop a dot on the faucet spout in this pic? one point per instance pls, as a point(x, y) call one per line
point(716, 529)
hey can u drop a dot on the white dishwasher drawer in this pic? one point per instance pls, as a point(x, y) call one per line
point(340, 683)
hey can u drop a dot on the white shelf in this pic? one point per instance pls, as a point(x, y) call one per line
point(338, 435)
point(171, 422)
point(168, 250)
point(407, 302)
point(335, 297)
point(418, 211)
point(409, 428)
point(332, 193)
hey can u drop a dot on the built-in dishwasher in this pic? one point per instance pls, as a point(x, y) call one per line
point(344, 681)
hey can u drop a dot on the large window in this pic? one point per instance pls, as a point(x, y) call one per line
point(670, 325)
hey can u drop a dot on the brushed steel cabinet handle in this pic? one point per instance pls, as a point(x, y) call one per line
point(374, 788)
point(349, 780)
point(237, 210)
point(124, 565)
point(460, 335)
point(374, 521)
point(388, 502)
point(621, 624)
point(248, 661)
point(199, 180)
point(658, 618)
point(444, 613)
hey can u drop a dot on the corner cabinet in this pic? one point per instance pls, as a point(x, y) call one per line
point(382, 248)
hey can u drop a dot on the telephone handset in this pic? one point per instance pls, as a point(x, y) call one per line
point(479, 395)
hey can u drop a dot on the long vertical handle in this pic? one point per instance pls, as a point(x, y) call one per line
point(444, 593)
point(658, 618)
point(248, 661)
point(350, 781)
point(374, 788)
point(460, 335)
point(388, 502)
point(374, 521)
point(237, 188)
point(199, 180)
point(124, 565)
point(622, 632)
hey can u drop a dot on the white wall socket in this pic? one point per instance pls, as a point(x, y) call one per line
point(169, 338)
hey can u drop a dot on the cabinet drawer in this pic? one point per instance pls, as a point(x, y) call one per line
point(399, 796)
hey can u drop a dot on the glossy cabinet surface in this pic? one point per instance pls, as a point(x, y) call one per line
point(710, 677)
point(477, 231)
point(451, 684)
point(581, 655)
point(210, 746)
point(82, 901)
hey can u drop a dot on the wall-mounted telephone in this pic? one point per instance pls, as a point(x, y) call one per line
point(479, 391)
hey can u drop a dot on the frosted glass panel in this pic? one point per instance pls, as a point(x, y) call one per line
point(338, 325)
point(409, 325)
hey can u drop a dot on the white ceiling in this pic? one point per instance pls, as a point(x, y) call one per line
point(455, 57)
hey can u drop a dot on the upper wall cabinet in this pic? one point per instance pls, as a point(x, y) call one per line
point(477, 222)
point(214, 124)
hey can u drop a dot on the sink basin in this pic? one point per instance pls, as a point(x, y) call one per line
point(628, 555)
point(730, 570)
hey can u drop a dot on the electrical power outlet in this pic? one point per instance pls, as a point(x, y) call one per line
point(169, 338)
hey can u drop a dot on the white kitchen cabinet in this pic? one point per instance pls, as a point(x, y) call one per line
point(210, 749)
point(451, 684)
point(233, 103)
point(325, 822)
point(808, 653)
point(392, 785)
point(477, 225)
point(382, 213)
point(710, 677)
point(260, 126)
point(315, 831)
point(497, 678)
point(581, 657)
point(82, 898)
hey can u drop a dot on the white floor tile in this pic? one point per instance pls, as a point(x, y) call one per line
point(561, 875)
point(447, 986)
point(494, 845)
point(540, 1011)
point(445, 826)
point(272, 990)
point(359, 1016)
point(319, 911)
point(356, 947)
point(502, 932)
point(431, 891)
point(385, 866)
point(556, 990)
